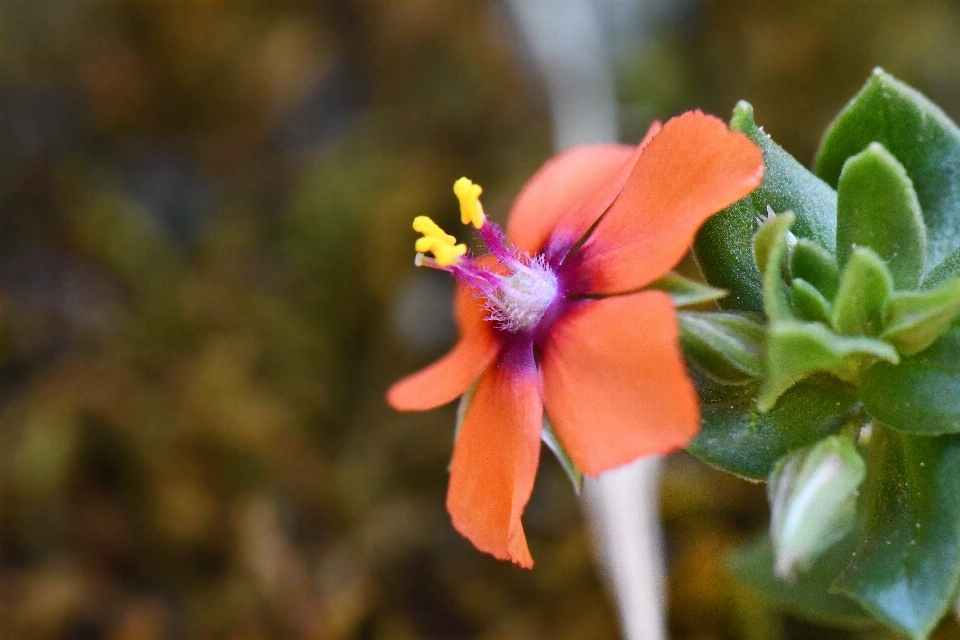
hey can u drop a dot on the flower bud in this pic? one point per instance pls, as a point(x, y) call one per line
point(812, 493)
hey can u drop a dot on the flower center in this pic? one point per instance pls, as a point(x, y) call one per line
point(523, 297)
point(518, 290)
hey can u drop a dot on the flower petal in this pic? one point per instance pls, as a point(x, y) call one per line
point(576, 185)
point(450, 376)
point(559, 186)
point(615, 385)
point(694, 167)
point(495, 459)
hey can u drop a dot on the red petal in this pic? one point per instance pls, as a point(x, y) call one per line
point(694, 167)
point(576, 185)
point(615, 385)
point(560, 186)
point(450, 376)
point(495, 461)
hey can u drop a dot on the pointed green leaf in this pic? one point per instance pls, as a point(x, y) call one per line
point(907, 564)
point(788, 185)
point(814, 264)
point(769, 249)
point(878, 208)
point(808, 302)
point(549, 437)
point(914, 319)
point(723, 246)
point(922, 394)
point(865, 285)
point(739, 439)
point(796, 350)
point(727, 346)
point(949, 268)
point(807, 595)
point(685, 292)
point(771, 231)
point(919, 135)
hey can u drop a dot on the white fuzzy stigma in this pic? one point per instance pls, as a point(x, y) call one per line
point(523, 297)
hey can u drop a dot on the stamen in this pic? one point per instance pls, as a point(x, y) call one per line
point(436, 241)
point(429, 228)
point(516, 290)
point(468, 193)
point(449, 256)
point(496, 244)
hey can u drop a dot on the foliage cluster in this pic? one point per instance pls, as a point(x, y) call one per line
point(834, 368)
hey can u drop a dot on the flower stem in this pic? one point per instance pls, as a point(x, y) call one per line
point(622, 510)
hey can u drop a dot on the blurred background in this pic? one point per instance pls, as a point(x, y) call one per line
point(206, 285)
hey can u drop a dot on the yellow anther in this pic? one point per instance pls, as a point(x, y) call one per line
point(443, 246)
point(468, 193)
point(425, 245)
point(447, 255)
point(430, 229)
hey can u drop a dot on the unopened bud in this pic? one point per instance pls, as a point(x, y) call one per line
point(812, 494)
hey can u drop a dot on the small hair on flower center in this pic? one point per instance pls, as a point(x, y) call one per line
point(517, 289)
point(524, 297)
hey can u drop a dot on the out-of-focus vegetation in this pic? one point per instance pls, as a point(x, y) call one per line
point(206, 284)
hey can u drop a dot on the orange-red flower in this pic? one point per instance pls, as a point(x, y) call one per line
point(554, 320)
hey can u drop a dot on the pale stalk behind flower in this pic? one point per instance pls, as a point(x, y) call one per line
point(567, 43)
point(623, 511)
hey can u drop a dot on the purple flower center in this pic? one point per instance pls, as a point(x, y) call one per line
point(517, 289)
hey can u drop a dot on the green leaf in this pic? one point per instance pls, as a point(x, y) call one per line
point(796, 350)
point(907, 564)
point(949, 268)
point(808, 302)
point(727, 346)
point(788, 185)
point(919, 135)
point(739, 439)
point(684, 292)
point(807, 595)
point(549, 437)
point(723, 246)
point(812, 493)
point(865, 285)
point(922, 395)
point(878, 208)
point(769, 250)
point(723, 251)
point(914, 319)
point(814, 264)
